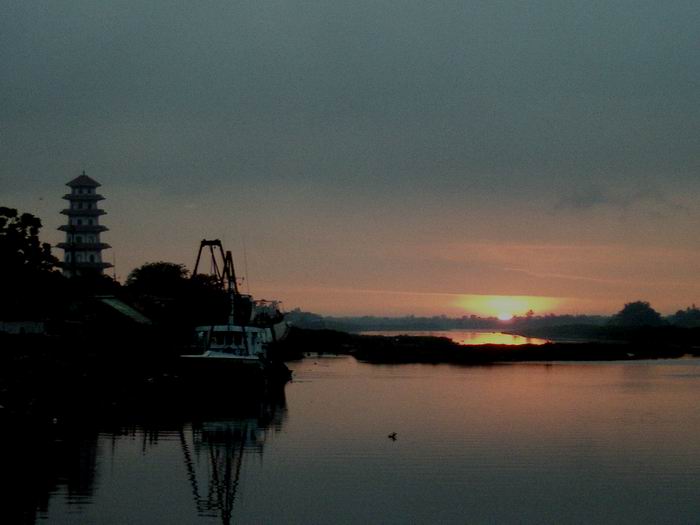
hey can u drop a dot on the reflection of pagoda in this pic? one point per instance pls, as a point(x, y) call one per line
point(83, 249)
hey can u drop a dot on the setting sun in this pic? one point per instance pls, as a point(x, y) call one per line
point(505, 307)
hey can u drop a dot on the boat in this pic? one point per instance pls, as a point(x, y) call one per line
point(243, 342)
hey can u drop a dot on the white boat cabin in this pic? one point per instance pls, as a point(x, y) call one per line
point(233, 340)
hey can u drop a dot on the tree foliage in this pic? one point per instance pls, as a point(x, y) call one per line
point(164, 279)
point(21, 251)
point(167, 294)
point(689, 317)
point(637, 313)
point(31, 286)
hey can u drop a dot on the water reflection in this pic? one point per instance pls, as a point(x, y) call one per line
point(65, 469)
point(220, 447)
point(38, 462)
point(530, 443)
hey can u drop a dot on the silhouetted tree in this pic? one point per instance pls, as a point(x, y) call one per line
point(637, 313)
point(29, 281)
point(21, 252)
point(689, 317)
point(160, 278)
point(167, 295)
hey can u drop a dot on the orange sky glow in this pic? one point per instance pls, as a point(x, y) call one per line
point(391, 264)
point(373, 158)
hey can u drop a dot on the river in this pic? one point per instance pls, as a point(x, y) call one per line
point(519, 443)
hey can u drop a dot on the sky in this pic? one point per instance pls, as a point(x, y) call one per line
point(372, 157)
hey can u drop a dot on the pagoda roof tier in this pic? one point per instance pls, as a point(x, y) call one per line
point(83, 246)
point(83, 213)
point(83, 228)
point(84, 181)
point(84, 265)
point(83, 197)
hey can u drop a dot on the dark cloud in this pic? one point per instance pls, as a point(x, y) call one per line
point(649, 200)
point(459, 119)
point(585, 199)
point(521, 92)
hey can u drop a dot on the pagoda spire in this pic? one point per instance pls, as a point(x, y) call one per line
point(82, 247)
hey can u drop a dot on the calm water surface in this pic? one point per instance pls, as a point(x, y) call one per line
point(560, 443)
point(467, 337)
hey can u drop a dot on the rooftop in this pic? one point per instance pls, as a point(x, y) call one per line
point(83, 180)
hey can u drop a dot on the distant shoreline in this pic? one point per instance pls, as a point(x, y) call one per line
point(427, 349)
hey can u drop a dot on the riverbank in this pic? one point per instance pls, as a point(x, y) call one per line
point(47, 377)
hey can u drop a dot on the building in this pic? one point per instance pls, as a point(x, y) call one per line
point(83, 248)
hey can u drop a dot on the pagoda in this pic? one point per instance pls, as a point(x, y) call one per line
point(83, 249)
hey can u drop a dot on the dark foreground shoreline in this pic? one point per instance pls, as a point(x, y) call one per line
point(50, 377)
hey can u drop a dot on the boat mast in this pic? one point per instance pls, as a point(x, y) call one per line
point(232, 284)
point(225, 275)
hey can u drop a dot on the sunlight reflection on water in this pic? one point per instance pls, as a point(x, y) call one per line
point(466, 337)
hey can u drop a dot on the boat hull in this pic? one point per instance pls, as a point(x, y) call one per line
point(210, 368)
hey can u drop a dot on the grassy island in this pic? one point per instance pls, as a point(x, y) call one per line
point(646, 344)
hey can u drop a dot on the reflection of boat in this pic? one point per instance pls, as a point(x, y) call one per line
point(252, 326)
point(218, 447)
